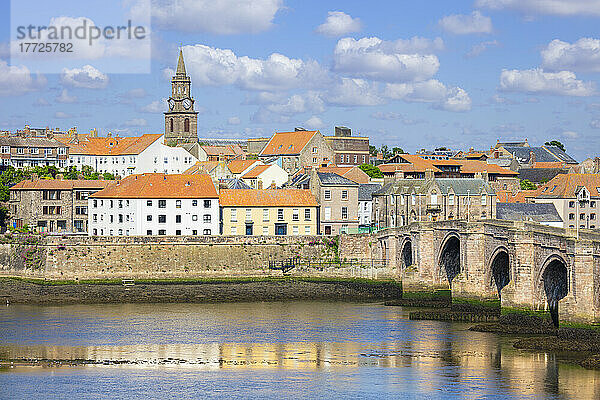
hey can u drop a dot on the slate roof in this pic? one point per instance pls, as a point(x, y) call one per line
point(501, 162)
point(29, 142)
point(538, 212)
point(542, 154)
point(538, 175)
point(236, 183)
point(365, 191)
point(562, 156)
point(329, 178)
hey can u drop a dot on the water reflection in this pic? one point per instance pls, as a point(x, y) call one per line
point(318, 338)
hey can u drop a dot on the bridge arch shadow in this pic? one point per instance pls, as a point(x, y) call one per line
point(500, 268)
point(554, 278)
point(449, 257)
point(406, 253)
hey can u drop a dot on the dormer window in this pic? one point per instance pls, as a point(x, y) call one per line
point(554, 187)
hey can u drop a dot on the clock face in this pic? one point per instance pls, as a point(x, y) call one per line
point(187, 103)
point(171, 104)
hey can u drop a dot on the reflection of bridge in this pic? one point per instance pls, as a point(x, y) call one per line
point(530, 265)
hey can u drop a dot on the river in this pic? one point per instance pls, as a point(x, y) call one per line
point(275, 350)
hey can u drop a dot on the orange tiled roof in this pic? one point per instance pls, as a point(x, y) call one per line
point(341, 171)
point(239, 166)
point(473, 166)
point(161, 186)
point(505, 196)
point(565, 185)
point(201, 167)
point(60, 184)
point(287, 143)
point(256, 171)
point(110, 146)
point(267, 198)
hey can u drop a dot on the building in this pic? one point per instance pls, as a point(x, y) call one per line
point(156, 204)
point(533, 156)
point(353, 173)
point(19, 152)
point(218, 170)
point(268, 212)
point(348, 149)
point(575, 197)
point(298, 149)
point(221, 153)
point(265, 176)
point(365, 204)
point(256, 145)
point(181, 121)
point(540, 175)
point(52, 205)
point(541, 213)
point(240, 167)
point(338, 198)
point(404, 201)
point(124, 156)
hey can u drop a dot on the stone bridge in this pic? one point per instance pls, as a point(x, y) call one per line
point(526, 265)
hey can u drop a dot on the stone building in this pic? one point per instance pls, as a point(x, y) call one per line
point(19, 152)
point(348, 149)
point(221, 153)
point(404, 201)
point(576, 198)
point(298, 149)
point(338, 198)
point(268, 212)
point(156, 204)
point(52, 205)
point(533, 156)
point(181, 121)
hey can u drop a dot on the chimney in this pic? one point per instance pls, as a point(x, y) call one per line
point(260, 184)
point(429, 175)
point(485, 176)
point(531, 158)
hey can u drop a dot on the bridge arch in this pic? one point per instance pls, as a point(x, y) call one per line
point(449, 257)
point(406, 253)
point(554, 279)
point(499, 266)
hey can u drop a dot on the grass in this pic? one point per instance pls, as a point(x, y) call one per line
point(441, 294)
point(525, 311)
point(488, 303)
point(173, 281)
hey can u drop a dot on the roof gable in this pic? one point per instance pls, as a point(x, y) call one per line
point(288, 143)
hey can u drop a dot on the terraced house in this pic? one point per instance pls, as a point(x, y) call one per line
point(19, 152)
point(156, 204)
point(265, 212)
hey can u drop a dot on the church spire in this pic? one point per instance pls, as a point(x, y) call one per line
point(180, 64)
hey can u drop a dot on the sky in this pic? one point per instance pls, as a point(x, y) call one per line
point(460, 74)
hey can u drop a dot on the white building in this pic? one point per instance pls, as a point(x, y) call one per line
point(263, 176)
point(128, 155)
point(365, 203)
point(155, 204)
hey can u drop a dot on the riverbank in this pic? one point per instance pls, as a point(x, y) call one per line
point(46, 292)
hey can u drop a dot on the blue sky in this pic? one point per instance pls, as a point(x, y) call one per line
point(411, 74)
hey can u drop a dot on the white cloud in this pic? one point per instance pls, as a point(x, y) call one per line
point(65, 98)
point(41, 102)
point(339, 23)
point(502, 100)
point(15, 80)
point(353, 92)
point(581, 56)
point(460, 24)
point(386, 116)
point(136, 93)
point(299, 103)
point(135, 122)
point(61, 115)
point(563, 83)
point(481, 47)
point(215, 67)
point(595, 123)
point(86, 77)
point(155, 107)
point(432, 91)
point(570, 134)
point(224, 17)
point(234, 121)
point(314, 122)
point(551, 7)
point(373, 58)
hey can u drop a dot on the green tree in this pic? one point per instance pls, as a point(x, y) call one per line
point(372, 150)
point(526, 184)
point(385, 151)
point(371, 170)
point(556, 143)
point(397, 150)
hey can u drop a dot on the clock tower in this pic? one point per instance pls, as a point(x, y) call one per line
point(181, 121)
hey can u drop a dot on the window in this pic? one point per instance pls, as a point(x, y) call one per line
point(280, 214)
point(582, 216)
point(112, 203)
point(51, 210)
point(149, 203)
point(178, 219)
point(20, 150)
point(48, 152)
point(5, 149)
point(265, 230)
point(571, 216)
point(265, 215)
point(162, 219)
point(451, 199)
point(178, 232)
point(34, 150)
point(344, 212)
point(327, 213)
point(206, 203)
point(233, 215)
point(186, 125)
point(120, 232)
point(111, 218)
point(62, 150)
point(295, 214)
point(483, 200)
point(315, 160)
point(81, 210)
point(248, 214)
point(195, 232)
point(592, 203)
point(434, 198)
point(344, 229)
point(234, 230)
point(295, 230)
point(51, 194)
point(194, 203)
point(206, 232)
point(307, 214)
point(120, 203)
point(81, 195)
point(592, 216)
point(327, 194)
point(571, 204)
point(95, 218)
point(148, 218)
point(162, 232)
point(413, 199)
point(344, 195)
point(206, 218)
point(177, 203)
point(162, 204)
point(314, 150)
point(307, 230)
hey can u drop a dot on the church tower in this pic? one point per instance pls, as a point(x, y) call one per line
point(181, 121)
